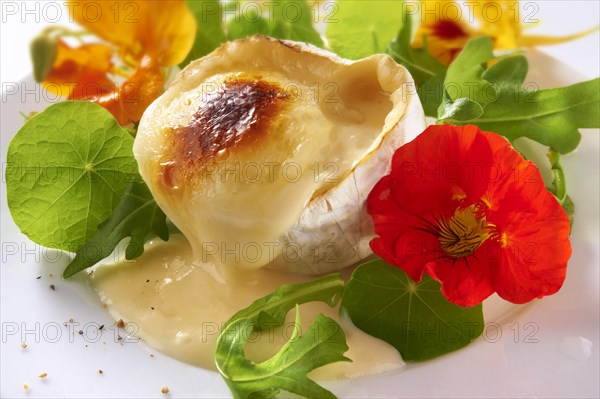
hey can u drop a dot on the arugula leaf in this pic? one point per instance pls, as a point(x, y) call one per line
point(363, 28)
point(270, 311)
point(323, 343)
point(426, 70)
point(461, 109)
point(421, 65)
point(415, 318)
point(209, 31)
point(67, 168)
point(431, 93)
point(551, 117)
point(137, 215)
point(464, 76)
point(510, 71)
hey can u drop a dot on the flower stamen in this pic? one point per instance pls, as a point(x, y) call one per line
point(464, 232)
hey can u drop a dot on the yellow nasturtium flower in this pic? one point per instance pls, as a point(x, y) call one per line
point(446, 27)
point(146, 35)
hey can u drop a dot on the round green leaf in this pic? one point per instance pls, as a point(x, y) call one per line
point(358, 29)
point(67, 168)
point(414, 317)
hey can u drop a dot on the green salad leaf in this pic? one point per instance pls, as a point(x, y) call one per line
point(413, 317)
point(269, 311)
point(286, 19)
point(293, 20)
point(426, 70)
point(136, 216)
point(209, 29)
point(464, 76)
point(510, 71)
point(361, 28)
point(559, 185)
point(323, 343)
point(252, 23)
point(461, 109)
point(551, 117)
point(67, 168)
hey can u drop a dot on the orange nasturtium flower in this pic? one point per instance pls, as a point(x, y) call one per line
point(146, 35)
point(464, 207)
point(447, 28)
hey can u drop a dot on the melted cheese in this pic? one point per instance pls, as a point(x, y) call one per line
point(265, 143)
point(178, 307)
point(244, 155)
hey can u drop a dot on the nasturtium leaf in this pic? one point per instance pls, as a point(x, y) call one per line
point(250, 23)
point(323, 343)
point(287, 19)
point(464, 75)
point(415, 318)
point(270, 311)
point(137, 216)
point(551, 117)
point(362, 28)
point(209, 29)
point(293, 20)
point(67, 168)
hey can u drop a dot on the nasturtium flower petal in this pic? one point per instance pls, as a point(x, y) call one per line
point(447, 27)
point(490, 226)
point(129, 101)
point(464, 283)
point(527, 218)
point(501, 20)
point(81, 71)
point(444, 29)
point(164, 29)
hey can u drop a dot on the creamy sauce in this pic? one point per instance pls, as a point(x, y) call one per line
point(178, 306)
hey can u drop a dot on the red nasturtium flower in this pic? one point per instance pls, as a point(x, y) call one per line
point(464, 207)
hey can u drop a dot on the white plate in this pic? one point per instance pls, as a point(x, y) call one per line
point(549, 349)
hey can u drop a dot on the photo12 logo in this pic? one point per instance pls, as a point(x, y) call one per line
point(489, 11)
point(253, 252)
point(270, 171)
point(71, 331)
point(270, 11)
point(60, 11)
